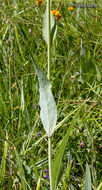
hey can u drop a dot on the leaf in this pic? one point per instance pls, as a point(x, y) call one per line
point(48, 112)
point(98, 72)
point(66, 180)
point(22, 96)
point(27, 142)
point(72, 187)
point(38, 184)
point(68, 170)
point(21, 171)
point(3, 162)
point(87, 179)
point(100, 186)
point(45, 27)
point(88, 68)
point(59, 155)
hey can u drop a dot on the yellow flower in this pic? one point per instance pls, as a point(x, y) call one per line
point(70, 8)
point(53, 12)
point(39, 2)
point(56, 14)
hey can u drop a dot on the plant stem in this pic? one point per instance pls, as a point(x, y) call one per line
point(49, 37)
point(49, 160)
point(49, 73)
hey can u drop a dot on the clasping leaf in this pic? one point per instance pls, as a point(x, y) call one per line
point(45, 27)
point(47, 103)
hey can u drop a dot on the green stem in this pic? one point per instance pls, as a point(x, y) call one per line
point(49, 37)
point(49, 73)
point(49, 160)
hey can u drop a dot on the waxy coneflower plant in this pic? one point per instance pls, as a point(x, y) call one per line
point(48, 112)
point(77, 63)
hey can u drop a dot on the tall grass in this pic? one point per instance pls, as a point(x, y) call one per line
point(76, 78)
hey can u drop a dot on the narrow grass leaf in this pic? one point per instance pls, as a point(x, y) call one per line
point(67, 176)
point(100, 186)
point(87, 179)
point(28, 140)
point(38, 185)
point(98, 72)
point(21, 171)
point(72, 187)
point(45, 27)
point(68, 170)
point(3, 164)
point(22, 96)
point(59, 155)
point(35, 170)
point(48, 107)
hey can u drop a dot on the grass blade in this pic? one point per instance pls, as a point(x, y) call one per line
point(100, 186)
point(67, 176)
point(59, 155)
point(21, 171)
point(3, 163)
point(87, 179)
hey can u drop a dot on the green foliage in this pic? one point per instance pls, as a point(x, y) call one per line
point(3, 163)
point(21, 33)
point(100, 186)
point(47, 103)
point(87, 179)
point(88, 68)
point(38, 185)
point(66, 180)
point(53, 27)
point(59, 155)
point(21, 171)
point(57, 164)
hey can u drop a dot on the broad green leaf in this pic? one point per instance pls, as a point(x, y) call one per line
point(48, 111)
point(59, 155)
point(87, 179)
point(53, 27)
point(21, 171)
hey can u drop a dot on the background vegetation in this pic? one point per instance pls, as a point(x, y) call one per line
point(76, 77)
